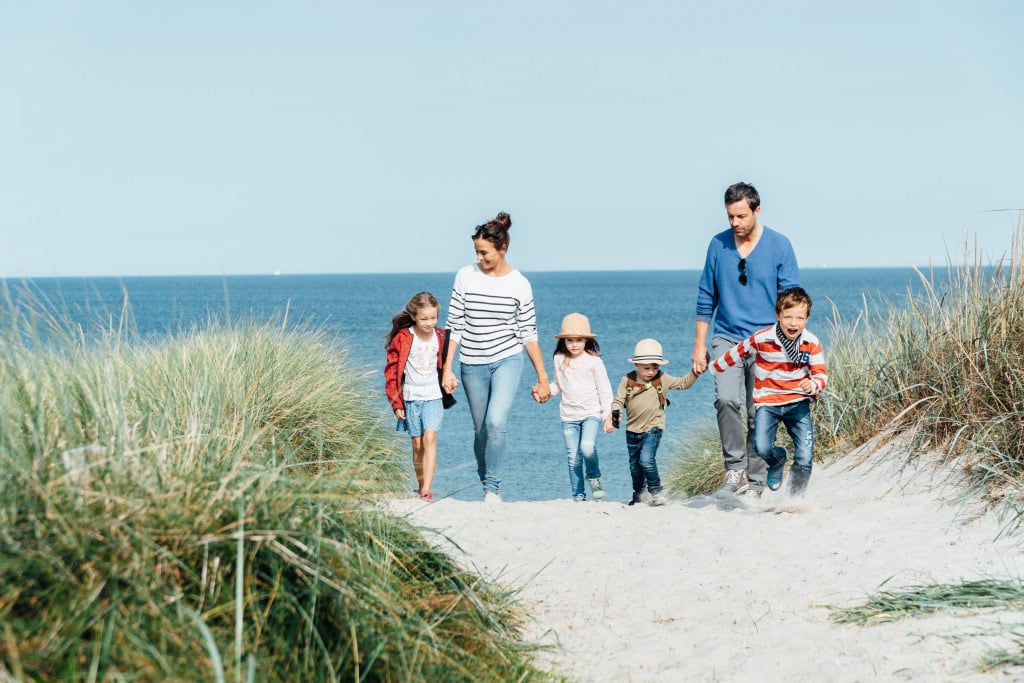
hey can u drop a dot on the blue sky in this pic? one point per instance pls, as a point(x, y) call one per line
point(323, 137)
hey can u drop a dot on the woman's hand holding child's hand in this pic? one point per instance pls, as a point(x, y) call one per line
point(448, 381)
point(541, 391)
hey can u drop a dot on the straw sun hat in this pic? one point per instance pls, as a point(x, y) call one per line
point(575, 325)
point(648, 351)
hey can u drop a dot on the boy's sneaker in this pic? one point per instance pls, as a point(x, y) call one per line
point(658, 498)
point(596, 489)
point(579, 498)
point(735, 482)
point(775, 471)
point(492, 498)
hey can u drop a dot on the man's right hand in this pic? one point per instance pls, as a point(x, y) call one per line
point(700, 358)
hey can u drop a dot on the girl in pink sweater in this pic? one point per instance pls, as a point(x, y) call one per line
point(586, 404)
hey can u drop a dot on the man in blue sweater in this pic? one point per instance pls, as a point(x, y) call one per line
point(745, 268)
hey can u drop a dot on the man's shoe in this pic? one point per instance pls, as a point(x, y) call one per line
point(596, 490)
point(775, 471)
point(735, 482)
point(658, 498)
point(579, 498)
point(637, 497)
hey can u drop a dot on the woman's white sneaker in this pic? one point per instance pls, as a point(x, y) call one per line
point(492, 498)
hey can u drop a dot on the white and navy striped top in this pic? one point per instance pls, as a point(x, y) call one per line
point(490, 317)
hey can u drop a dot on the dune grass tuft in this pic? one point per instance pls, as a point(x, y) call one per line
point(200, 508)
point(696, 467)
point(894, 605)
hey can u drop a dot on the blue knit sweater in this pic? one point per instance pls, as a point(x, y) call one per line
point(740, 310)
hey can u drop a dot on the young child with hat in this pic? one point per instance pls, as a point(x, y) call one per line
point(586, 405)
point(641, 394)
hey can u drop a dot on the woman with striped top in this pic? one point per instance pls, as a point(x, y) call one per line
point(491, 320)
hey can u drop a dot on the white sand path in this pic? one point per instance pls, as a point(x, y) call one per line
point(695, 590)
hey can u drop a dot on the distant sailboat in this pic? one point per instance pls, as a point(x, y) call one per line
point(277, 272)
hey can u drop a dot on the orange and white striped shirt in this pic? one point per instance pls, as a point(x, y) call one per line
point(777, 378)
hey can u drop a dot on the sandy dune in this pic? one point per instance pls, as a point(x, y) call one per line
point(729, 589)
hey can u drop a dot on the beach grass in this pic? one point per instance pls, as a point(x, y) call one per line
point(893, 605)
point(695, 466)
point(946, 369)
point(960, 598)
point(203, 508)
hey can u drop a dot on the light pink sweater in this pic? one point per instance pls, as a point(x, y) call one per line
point(584, 386)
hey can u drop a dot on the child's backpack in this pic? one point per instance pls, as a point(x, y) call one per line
point(633, 388)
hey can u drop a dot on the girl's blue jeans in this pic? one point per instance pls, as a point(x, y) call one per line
point(581, 446)
point(490, 389)
point(797, 419)
point(643, 464)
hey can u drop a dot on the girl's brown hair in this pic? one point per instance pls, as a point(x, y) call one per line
point(495, 231)
point(591, 346)
point(407, 318)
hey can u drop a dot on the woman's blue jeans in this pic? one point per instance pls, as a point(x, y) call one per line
point(490, 389)
point(797, 419)
point(581, 446)
point(643, 464)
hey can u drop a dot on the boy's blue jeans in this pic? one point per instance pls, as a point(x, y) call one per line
point(643, 464)
point(797, 419)
point(581, 446)
point(490, 389)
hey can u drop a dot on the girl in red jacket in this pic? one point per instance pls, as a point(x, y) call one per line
point(411, 382)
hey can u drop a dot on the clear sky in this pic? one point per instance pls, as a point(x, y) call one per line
point(139, 138)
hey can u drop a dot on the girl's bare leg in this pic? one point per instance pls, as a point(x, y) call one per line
point(417, 461)
point(429, 459)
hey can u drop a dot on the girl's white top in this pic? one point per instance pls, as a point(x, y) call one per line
point(421, 370)
point(490, 317)
point(584, 386)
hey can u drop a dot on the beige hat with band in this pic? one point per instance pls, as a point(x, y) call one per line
point(648, 351)
point(575, 325)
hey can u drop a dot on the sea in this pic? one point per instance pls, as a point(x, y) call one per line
point(356, 310)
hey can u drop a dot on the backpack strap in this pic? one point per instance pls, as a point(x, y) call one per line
point(633, 388)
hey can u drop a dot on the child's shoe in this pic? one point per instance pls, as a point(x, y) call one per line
point(775, 471)
point(579, 498)
point(596, 490)
point(798, 482)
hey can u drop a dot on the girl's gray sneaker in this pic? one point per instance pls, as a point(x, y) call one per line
point(595, 488)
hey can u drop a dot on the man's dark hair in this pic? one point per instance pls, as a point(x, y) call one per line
point(741, 191)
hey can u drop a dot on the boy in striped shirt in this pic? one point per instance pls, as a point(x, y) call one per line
point(789, 372)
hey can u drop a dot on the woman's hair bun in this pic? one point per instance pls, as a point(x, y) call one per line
point(503, 219)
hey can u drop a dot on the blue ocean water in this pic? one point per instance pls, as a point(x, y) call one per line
point(623, 307)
